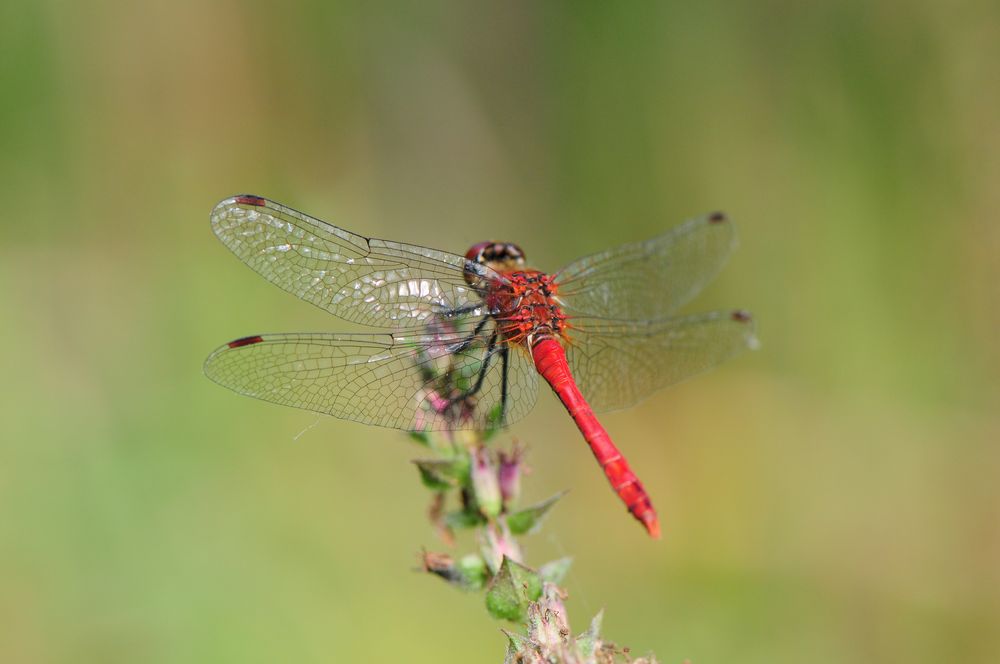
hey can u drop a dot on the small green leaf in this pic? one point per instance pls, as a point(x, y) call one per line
point(518, 646)
point(526, 519)
point(589, 641)
point(555, 571)
point(432, 477)
point(441, 474)
point(473, 571)
point(463, 519)
point(511, 590)
point(468, 573)
point(421, 437)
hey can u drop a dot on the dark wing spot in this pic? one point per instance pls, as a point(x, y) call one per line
point(245, 341)
point(248, 199)
point(741, 316)
point(716, 217)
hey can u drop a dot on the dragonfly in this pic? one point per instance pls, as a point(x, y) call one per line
point(459, 341)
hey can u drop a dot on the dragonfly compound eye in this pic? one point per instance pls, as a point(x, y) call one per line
point(476, 252)
point(500, 256)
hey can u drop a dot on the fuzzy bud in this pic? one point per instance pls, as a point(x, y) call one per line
point(547, 625)
point(485, 484)
point(510, 475)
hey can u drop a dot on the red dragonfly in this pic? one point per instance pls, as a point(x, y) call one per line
point(467, 336)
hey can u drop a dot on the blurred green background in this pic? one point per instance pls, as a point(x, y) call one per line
point(833, 497)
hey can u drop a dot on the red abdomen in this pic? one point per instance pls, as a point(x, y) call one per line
point(550, 360)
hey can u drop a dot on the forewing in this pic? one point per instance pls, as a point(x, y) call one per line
point(618, 365)
point(648, 280)
point(373, 282)
point(389, 380)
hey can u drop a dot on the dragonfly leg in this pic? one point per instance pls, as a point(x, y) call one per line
point(505, 358)
point(490, 348)
point(504, 352)
point(460, 311)
point(472, 337)
point(472, 391)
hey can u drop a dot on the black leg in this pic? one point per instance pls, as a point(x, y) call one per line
point(472, 337)
point(490, 348)
point(425, 367)
point(505, 359)
point(461, 311)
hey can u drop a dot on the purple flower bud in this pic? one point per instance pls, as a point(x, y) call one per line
point(510, 474)
point(485, 484)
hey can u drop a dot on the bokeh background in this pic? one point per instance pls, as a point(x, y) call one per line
point(833, 497)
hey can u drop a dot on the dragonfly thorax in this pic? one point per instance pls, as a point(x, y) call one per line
point(526, 307)
point(523, 302)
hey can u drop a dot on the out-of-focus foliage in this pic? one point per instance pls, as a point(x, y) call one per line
point(830, 498)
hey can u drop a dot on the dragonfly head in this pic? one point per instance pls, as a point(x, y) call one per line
point(499, 256)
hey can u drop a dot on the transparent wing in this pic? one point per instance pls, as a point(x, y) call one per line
point(373, 282)
point(648, 280)
point(619, 364)
point(421, 382)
